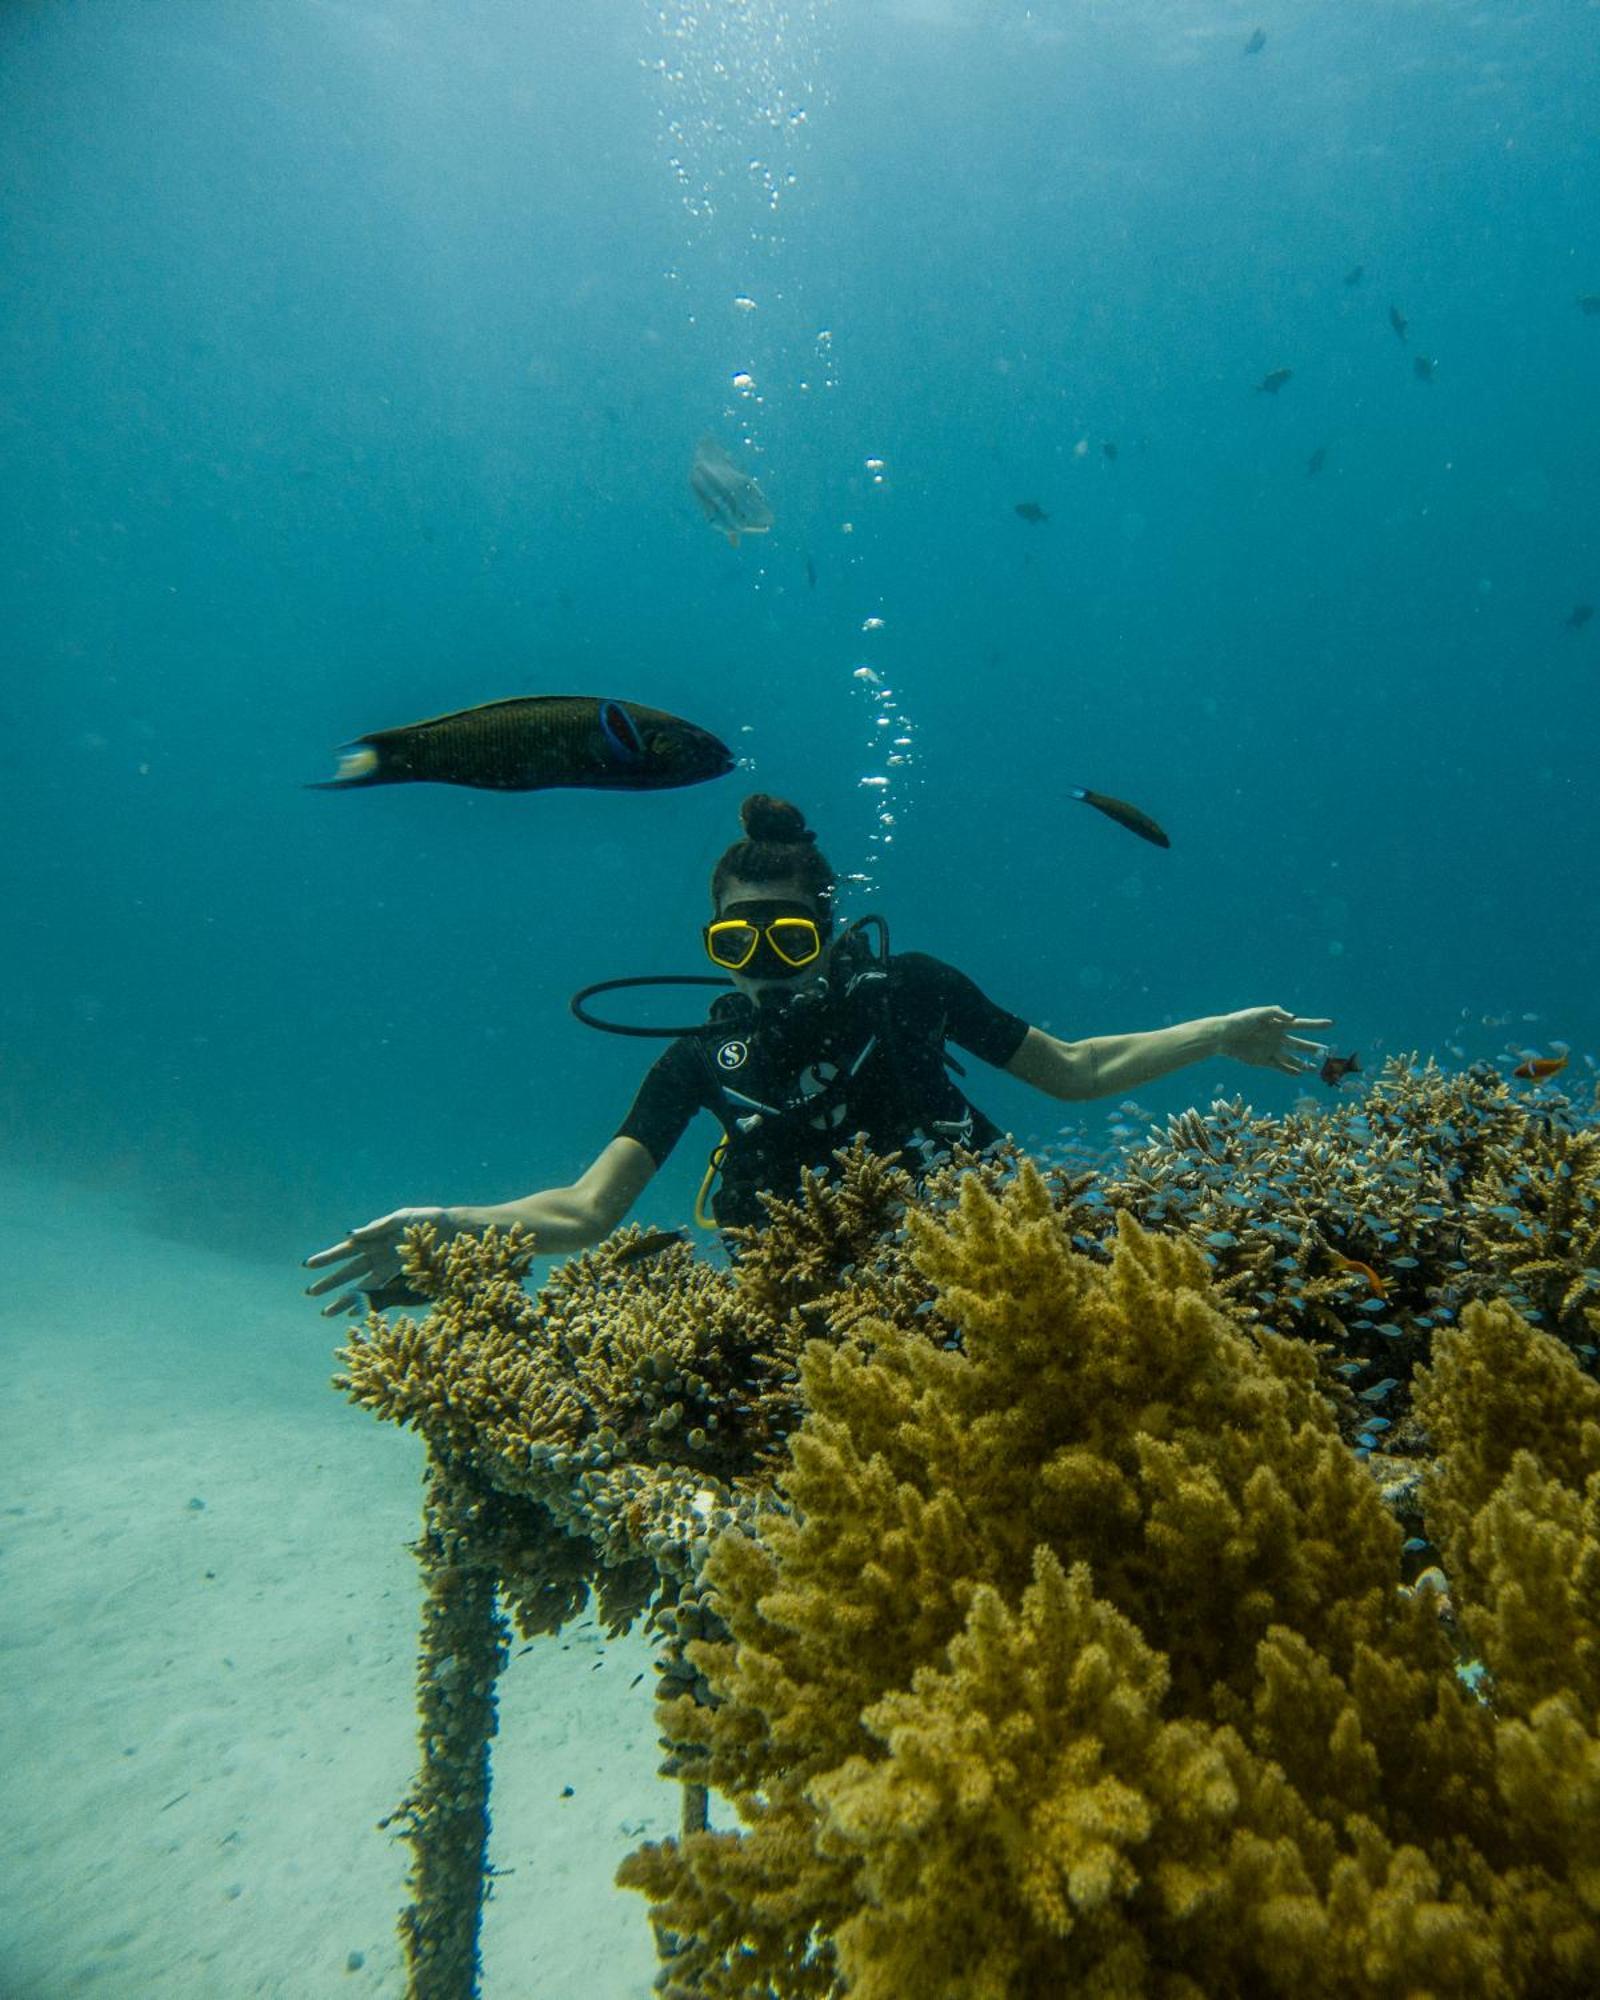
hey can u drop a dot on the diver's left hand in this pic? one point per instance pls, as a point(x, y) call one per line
point(1268, 1037)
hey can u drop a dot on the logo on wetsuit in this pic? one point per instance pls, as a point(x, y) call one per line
point(733, 1055)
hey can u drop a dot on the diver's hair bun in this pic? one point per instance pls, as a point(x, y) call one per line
point(766, 818)
point(778, 847)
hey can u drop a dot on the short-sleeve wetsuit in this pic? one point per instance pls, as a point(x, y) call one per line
point(863, 1053)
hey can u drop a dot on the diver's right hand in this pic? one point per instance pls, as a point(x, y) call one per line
point(368, 1258)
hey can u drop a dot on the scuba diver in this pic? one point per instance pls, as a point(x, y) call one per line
point(821, 1037)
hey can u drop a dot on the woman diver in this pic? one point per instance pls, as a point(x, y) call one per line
point(822, 1037)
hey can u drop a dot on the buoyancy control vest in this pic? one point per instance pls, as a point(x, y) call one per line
point(793, 1081)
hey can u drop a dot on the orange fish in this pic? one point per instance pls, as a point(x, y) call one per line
point(1538, 1066)
point(1362, 1271)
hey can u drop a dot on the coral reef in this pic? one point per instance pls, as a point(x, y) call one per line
point(1366, 1225)
point(1513, 1503)
point(618, 1408)
point(1019, 1570)
point(1075, 1658)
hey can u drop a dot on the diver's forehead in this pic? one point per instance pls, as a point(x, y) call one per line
point(761, 909)
point(737, 891)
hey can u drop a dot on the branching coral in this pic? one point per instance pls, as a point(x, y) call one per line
point(618, 1408)
point(1367, 1225)
point(1039, 1623)
point(1074, 1658)
point(1514, 1503)
point(639, 1401)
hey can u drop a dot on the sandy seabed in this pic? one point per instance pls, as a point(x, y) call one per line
point(208, 1615)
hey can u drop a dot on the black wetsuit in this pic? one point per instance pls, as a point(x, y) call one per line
point(789, 1085)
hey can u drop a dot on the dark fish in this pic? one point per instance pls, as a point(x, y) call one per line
point(1579, 616)
point(1336, 1068)
point(1398, 321)
point(398, 1292)
point(1422, 366)
point(1109, 447)
point(730, 499)
point(1589, 304)
point(1269, 385)
point(1125, 815)
point(1537, 1067)
point(538, 741)
point(1355, 274)
point(1316, 461)
point(1256, 43)
point(1031, 511)
point(811, 574)
point(651, 1245)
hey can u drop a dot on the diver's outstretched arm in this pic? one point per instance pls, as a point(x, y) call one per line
point(571, 1218)
point(1105, 1065)
point(561, 1219)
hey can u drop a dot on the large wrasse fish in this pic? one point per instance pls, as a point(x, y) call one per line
point(535, 742)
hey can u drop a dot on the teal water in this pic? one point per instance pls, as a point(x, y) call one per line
point(352, 359)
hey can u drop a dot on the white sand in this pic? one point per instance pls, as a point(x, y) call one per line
point(204, 1711)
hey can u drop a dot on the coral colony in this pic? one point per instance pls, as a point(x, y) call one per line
point(1183, 1581)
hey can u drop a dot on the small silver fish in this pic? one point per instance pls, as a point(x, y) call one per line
point(730, 499)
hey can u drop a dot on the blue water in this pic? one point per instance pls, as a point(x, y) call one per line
point(352, 358)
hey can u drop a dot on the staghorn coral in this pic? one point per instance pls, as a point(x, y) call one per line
point(1536, 1229)
point(619, 1407)
point(641, 1398)
point(795, 1261)
point(1445, 1187)
point(1074, 1657)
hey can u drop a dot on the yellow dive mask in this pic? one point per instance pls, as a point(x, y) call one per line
point(793, 940)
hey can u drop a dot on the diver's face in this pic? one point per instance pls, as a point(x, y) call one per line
point(767, 973)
